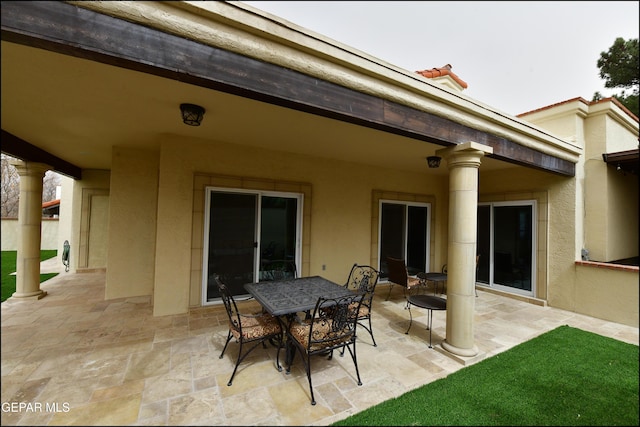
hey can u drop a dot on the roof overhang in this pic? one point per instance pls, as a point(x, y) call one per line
point(212, 48)
point(624, 161)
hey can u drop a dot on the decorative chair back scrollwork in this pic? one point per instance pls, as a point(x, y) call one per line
point(248, 329)
point(332, 326)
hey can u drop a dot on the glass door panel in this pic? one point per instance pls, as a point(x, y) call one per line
point(416, 239)
point(513, 245)
point(232, 241)
point(483, 247)
point(404, 235)
point(278, 234)
point(391, 234)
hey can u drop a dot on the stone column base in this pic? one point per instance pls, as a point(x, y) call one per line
point(465, 360)
point(29, 295)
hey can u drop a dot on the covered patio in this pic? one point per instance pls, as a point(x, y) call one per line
point(79, 359)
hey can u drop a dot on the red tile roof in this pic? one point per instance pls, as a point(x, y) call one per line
point(584, 101)
point(441, 72)
point(51, 203)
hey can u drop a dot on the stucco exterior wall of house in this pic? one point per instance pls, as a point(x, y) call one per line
point(611, 198)
point(622, 237)
point(338, 220)
point(132, 212)
point(608, 293)
point(607, 201)
point(89, 224)
point(555, 253)
point(164, 258)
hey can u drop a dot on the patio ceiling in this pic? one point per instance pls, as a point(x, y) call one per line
point(75, 86)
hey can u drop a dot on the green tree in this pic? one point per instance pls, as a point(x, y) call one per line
point(620, 69)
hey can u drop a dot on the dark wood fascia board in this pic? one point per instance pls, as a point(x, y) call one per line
point(72, 30)
point(621, 156)
point(625, 161)
point(22, 150)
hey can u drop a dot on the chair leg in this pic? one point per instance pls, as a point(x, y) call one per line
point(225, 345)
point(237, 363)
point(390, 287)
point(371, 332)
point(355, 360)
point(369, 329)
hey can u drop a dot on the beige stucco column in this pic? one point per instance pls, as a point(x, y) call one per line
point(463, 161)
point(29, 229)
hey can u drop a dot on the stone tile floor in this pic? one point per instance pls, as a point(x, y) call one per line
point(73, 358)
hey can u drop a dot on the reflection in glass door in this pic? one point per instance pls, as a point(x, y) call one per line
point(249, 236)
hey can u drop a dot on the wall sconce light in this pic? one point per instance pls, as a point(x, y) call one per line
point(191, 114)
point(433, 161)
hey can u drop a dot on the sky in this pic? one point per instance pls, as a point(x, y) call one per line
point(515, 56)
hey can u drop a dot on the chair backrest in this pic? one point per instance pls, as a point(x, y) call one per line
point(334, 322)
point(397, 270)
point(229, 305)
point(362, 278)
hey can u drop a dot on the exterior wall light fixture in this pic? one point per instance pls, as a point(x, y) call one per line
point(191, 114)
point(433, 161)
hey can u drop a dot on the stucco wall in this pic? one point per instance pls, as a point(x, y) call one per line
point(132, 212)
point(622, 216)
point(49, 236)
point(94, 183)
point(608, 292)
point(556, 226)
point(340, 214)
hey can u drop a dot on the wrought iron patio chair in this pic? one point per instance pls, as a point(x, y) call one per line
point(364, 278)
point(249, 330)
point(332, 326)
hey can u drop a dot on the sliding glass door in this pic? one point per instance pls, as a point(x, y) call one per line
point(245, 231)
point(404, 234)
point(506, 246)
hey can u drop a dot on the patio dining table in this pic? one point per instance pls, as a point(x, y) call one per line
point(285, 298)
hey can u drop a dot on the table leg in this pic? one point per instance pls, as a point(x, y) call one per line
point(410, 317)
point(429, 326)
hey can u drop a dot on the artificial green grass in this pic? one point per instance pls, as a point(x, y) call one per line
point(8, 282)
point(565, 377)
